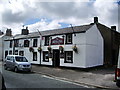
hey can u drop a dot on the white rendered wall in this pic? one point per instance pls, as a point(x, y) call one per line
point(1, 46)
point(90, 49)
point(94, 47)
point(78, 58)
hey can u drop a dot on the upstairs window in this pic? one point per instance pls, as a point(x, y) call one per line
point(68, 38)
point(46, 41)
point(35, 42)
point(11, 44)
point(16, 43)
point(6, 53)
point(26, 43)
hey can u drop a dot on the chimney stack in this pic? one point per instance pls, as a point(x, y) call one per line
point(1, 33)
point(113, 28)
point(8, 32)
point(95, 19)
point(25, 31)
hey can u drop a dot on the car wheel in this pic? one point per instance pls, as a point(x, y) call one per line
point(30, 71)
point(16, 69)
point(118, 83)
point(5, 67)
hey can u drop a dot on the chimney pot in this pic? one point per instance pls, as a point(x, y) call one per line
point(8, 32)
point(113, 28)
point(95, 19)
point(25, 31)
point(26, 28)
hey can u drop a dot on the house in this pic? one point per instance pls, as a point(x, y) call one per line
point(2, 38)
point(80, 46)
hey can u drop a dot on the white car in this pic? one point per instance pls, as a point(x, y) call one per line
point(17, 63)
point(118, 71)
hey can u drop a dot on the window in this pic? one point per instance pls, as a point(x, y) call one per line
point(10, 44)
point(6, 53)
point(68, 57)
point(16, 52)
point(10, 52)
point(34, 56)
point(69, 39)
point(16, 43)
point(34, 42)
point(26, 43)
point(45, 57)
point(21, 53)
point(12, 58)
point(21, 59)
point(46, 41)
point(8, 57)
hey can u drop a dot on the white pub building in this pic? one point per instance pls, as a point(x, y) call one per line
point(79, 46)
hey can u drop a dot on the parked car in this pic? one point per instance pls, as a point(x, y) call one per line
point(17, 63)
point(118, 71)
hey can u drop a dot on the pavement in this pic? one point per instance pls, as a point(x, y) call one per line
point(97, 77)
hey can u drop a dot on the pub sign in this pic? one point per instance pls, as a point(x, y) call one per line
point(57, 41)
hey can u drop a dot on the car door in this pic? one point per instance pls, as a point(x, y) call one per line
point(7, 61)
point(11, 62)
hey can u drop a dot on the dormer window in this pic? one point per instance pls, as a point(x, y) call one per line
point(68, 38)
point(26, 43)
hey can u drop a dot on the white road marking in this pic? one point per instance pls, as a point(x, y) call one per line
point(66, 81)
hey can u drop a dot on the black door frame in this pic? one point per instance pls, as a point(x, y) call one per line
point(56, 58)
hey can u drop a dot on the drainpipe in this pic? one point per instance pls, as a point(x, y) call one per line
point(40, 43)
point(13, 46)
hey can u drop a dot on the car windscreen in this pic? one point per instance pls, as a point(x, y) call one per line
point(21, 59)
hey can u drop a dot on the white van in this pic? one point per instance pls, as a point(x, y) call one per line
point(17, 63)
point(118, 71)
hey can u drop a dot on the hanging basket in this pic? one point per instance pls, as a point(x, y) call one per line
point(31, 49)
point(49, 48)
point(75, 48)
point(39, 49)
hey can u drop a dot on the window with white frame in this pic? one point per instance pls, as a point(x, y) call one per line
point(26, 43)
point(11, 44)
point(16, 42)
point(34, 56)
point(34, 42)
point(16, 52)
point(21, 53)
point(45, 56)
point(10, 52)
point(68, 57)
point(68, 38)
point(46, 40)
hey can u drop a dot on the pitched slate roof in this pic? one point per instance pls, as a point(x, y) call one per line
point(77, 29)
point(106, 31)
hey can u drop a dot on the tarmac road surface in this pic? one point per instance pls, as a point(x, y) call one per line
point(33, 80)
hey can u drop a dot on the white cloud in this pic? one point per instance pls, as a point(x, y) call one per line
point(16, 12)
point(44, 25)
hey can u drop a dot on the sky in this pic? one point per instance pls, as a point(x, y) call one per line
point(54, 14)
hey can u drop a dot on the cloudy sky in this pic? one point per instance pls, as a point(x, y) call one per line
point(53, 14)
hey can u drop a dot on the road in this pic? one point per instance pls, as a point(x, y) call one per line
point(33, 80)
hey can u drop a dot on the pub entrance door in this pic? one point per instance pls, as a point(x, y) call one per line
point(56, 58)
